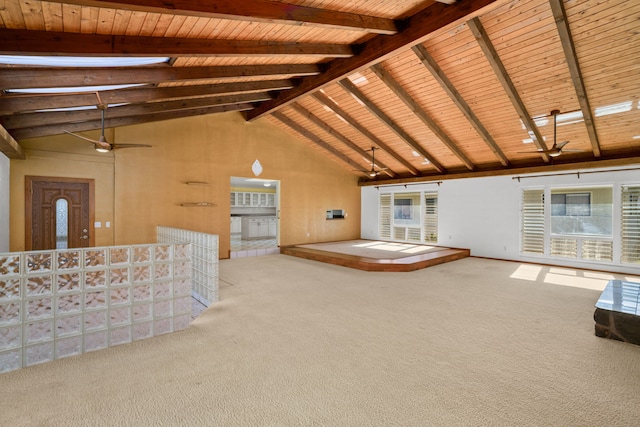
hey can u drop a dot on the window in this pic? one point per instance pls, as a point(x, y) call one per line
point(571, 204)
point(578, 226)
point(409, 217)
point(585, 211)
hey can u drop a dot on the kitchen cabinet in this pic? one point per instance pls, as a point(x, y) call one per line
point(262, 227)
point(236, 224)
point(249, 199)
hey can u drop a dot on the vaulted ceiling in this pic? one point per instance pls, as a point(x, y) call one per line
point(439, 88)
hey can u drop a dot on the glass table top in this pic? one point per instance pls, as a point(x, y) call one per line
point(621, 296)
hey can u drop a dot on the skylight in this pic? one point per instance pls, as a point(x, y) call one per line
point(76, 61)
point(614, 108)
point(72, 89)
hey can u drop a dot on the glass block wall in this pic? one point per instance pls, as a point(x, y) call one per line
point(61, 303)
point(204, 260)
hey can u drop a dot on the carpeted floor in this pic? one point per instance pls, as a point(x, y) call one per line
point(374, 249)
point(300, 343)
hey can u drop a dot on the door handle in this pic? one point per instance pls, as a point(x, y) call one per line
point(84, 237)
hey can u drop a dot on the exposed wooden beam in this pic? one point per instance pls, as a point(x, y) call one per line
point(402, 94)
point(35, 77)
point(449, 88)
point(402, 134)
point(560, 15)
point(27, 102)
point(416, 29)
point(364, 131)
point(40, 131)
point(331, 131)
point(503, 77)
point(252, 10)
point(318, 141)
point(26, 120)
point(624, 160)
point(30, 42)
point(10, 146)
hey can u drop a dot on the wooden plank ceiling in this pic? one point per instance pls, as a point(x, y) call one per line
point(439, 88)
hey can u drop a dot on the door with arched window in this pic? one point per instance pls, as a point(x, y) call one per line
point(59, 213)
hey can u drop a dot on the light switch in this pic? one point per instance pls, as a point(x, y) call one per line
point(97, 224)
point(107, 224)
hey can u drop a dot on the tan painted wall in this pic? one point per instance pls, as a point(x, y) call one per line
point(137, 189)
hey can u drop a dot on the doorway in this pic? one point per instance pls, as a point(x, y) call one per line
point(59, 213)
point(255, 217)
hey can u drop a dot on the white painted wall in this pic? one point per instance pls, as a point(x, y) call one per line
point(483, 214)
point(4, 203)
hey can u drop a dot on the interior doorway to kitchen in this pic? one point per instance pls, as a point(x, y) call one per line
point(255, 217)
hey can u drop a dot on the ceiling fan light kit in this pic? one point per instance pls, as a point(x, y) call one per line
point(557, 148)
point(101, 145)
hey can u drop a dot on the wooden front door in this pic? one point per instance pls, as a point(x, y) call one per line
point(59, 213)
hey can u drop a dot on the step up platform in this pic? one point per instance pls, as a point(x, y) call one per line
point(376, 256)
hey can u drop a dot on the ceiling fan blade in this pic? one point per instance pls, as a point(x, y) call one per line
point(98, 144)
point(93, 141)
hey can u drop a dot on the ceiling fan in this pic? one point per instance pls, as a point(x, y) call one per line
point(102, 145)
point(373, 172)
point(557, 148)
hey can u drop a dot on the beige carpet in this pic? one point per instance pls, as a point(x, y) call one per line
point(374, 249)
point(300, 343)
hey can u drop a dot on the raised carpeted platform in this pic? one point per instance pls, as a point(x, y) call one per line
point(371, 255)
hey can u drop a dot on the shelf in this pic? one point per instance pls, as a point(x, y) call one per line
point(198, 205)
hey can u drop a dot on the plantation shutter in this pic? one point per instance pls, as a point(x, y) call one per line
point(533, 221)
point(631, 224)
point(431, 217)
point(385, 216)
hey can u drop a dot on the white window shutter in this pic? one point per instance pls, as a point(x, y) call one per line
point(631, 224)
point(431, 217)
point(533, 221)
point(385, 216)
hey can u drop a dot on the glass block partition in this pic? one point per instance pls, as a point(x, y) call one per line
point(204, 260)
point(61, 303)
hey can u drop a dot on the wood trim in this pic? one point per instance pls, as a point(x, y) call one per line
point(324, 100)
point(524, 170)
point(324, 126)
point(560, 15)
point(12, 104)
point(437, 73)
point(351, 88)
point(33, 77)
point(31, 42)
point(40, 131)
point(322, 144)
point(503, 77)
point(251, 10)
point(9, 146)
point(406, 264)
point(402, 94)
point(29, 120)
point(28, 194)
point(417, 29)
